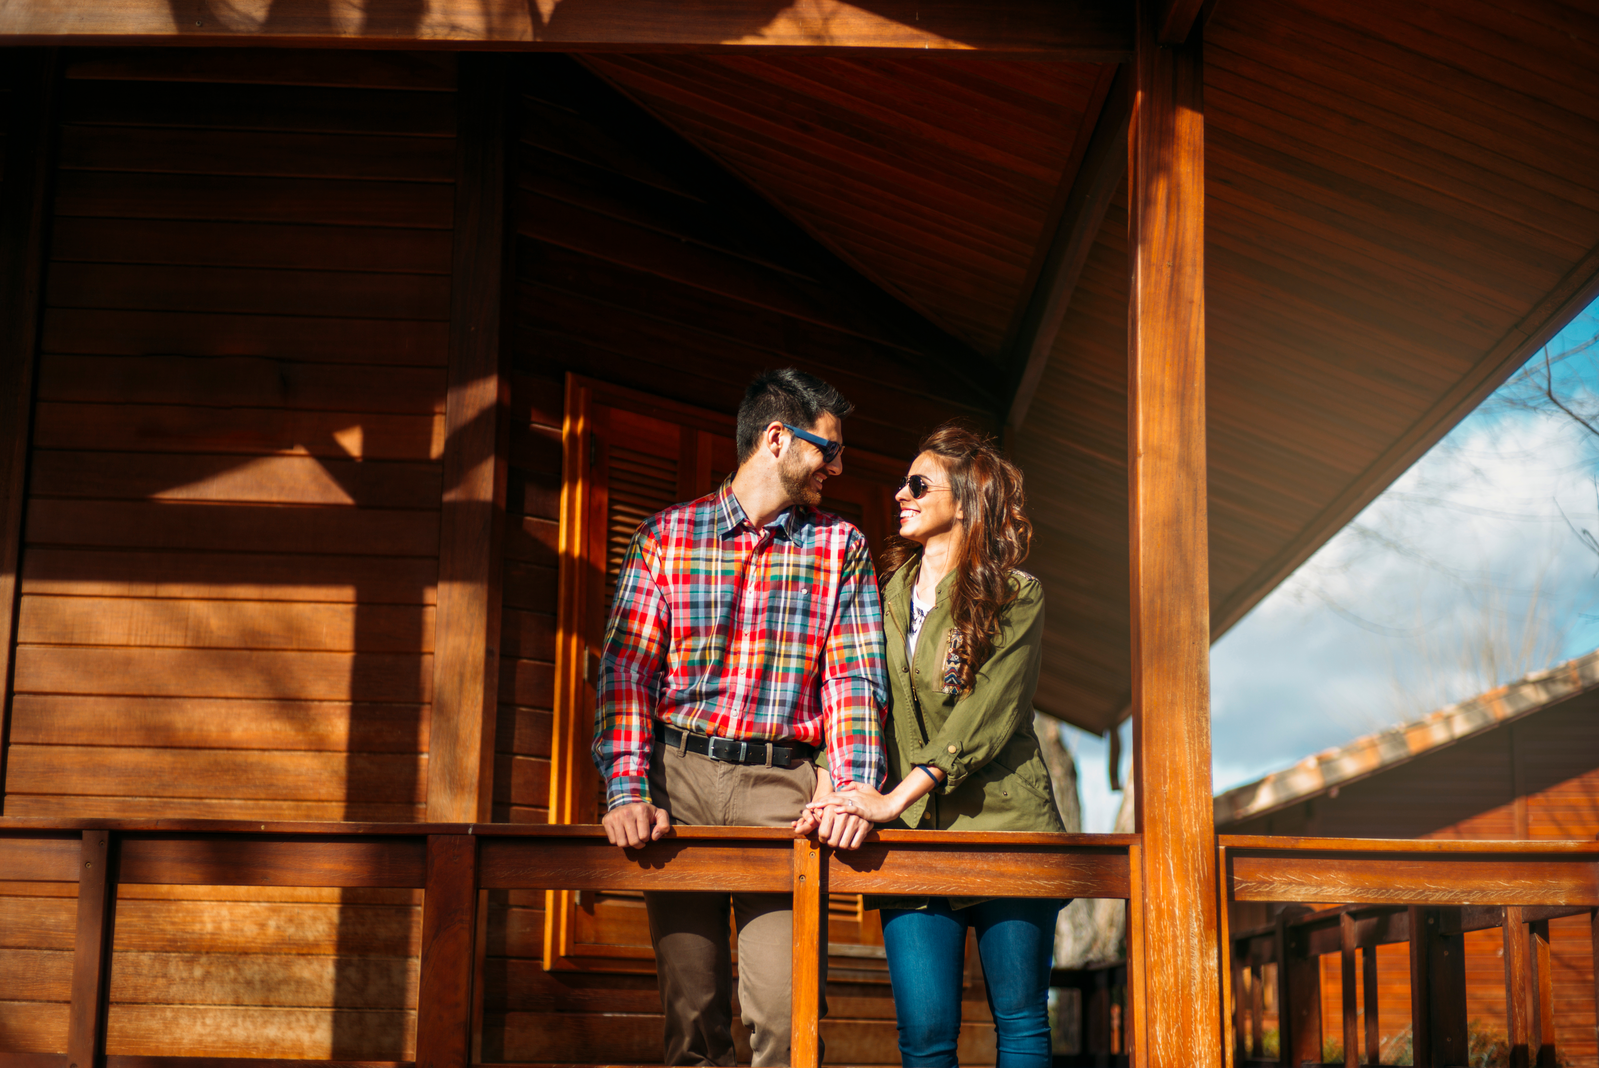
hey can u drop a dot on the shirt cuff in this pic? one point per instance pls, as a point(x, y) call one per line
point(626, 790)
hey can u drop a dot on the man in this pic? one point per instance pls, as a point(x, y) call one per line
point(746, 638)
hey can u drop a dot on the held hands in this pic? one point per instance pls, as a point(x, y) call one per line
point(636, 825)
point(835, 827)
point(859, 800)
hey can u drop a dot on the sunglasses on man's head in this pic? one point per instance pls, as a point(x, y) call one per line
point(918, 486)
point(830, 449)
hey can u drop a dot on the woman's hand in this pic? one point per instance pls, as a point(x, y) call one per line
point(859, 800)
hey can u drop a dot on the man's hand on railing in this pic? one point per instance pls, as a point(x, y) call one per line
point(636, 825)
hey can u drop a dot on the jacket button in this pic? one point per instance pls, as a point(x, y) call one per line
point(927, 814)
point(954, 749)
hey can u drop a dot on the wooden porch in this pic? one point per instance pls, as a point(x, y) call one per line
point(1424, 894)
point(341, 341)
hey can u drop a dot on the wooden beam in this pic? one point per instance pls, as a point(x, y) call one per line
point(1168, 541)
point(1097, 31)
point(30, 78)
point(476, 425)
point(1092, 190)
point(1177, 19)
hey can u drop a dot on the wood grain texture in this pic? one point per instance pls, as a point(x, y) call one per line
point(681, 864)
point(1020, 871)
point(1487, 880)
point(267, 861)
point(41, 857)
point(1092, 30)
point(1169, 547)
point(30, 95)
point(449, 927)
point(467, 664)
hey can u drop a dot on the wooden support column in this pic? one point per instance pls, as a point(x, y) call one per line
point(1169, 549)
point(91, 952)
point(1518, 986)
point(30, 78)
point(467, 629)
point(810, 952)
point(1346, 959)
point(446, 993)
point(1437, 988)
point(1370, 990)
point(1298, 996)
point(1541, 1007)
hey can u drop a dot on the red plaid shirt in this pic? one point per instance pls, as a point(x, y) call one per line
point(722, 629)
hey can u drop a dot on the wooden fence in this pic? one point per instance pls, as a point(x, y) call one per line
point(456, 864)
point(1374, 893)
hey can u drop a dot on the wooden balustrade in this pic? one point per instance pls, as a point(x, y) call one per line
point(456, 864)
point(1425, 894)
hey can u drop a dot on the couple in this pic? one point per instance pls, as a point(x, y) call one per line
point(744, 682)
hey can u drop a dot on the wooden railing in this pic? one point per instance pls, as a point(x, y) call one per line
point(455, 864)
point(1426, 894)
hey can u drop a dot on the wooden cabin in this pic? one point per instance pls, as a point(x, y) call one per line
point(1518, 762)
point(342, 343)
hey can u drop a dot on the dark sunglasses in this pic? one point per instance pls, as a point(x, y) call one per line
point(830, 449)
point(918, 486)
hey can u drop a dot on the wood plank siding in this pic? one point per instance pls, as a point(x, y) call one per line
point(232, 528)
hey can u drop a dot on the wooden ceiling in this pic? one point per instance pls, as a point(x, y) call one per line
point(933, 177)
point(1403, 200)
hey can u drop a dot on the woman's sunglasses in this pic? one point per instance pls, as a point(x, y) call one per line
point(830, 449)
point(917, 485)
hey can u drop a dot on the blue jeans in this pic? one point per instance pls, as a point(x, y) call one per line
point(926, 963)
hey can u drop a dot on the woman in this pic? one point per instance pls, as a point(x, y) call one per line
point(964, 629)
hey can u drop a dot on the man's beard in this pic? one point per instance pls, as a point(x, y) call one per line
point(797, 483)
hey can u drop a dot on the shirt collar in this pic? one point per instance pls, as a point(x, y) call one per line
point(789, 523)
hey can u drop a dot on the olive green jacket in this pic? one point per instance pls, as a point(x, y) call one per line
point(984, 742)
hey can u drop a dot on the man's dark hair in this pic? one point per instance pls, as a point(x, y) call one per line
point(787, 395)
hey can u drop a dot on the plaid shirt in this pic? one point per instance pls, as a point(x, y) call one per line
point(762, 635)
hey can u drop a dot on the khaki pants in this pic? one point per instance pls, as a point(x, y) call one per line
point(690, 930)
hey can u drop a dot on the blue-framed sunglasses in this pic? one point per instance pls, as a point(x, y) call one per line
point(830, 449)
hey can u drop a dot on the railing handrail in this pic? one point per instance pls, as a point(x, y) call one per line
point(455, 862)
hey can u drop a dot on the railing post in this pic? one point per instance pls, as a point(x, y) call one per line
point(91, 956)
point(1541, 1033)
point(1371, 986)
point(449, 924)
point(1346, 959)
point(1518, 987)
point(1298, 998)
point(1437, 988)
point(810, 952)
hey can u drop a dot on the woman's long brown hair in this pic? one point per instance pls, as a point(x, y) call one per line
point(996, 536)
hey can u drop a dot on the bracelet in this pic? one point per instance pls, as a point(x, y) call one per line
point(930, 775)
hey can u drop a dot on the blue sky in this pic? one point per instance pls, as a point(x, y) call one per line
point(1472, 569)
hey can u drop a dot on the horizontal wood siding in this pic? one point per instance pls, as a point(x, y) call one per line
point(231, 552)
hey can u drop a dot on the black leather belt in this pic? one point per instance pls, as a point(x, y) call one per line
point(733, 750)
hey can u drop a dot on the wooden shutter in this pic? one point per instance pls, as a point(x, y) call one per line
point(627, 456)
